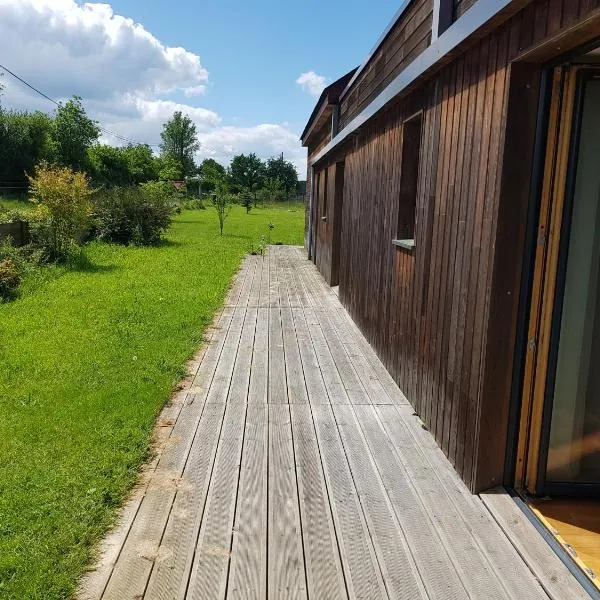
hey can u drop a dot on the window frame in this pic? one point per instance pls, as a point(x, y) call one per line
point(408, 195)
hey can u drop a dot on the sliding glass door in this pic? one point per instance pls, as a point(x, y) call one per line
point(571, 438)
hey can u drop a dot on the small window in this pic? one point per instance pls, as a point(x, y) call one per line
point(409, 181)
point(324, 196)
point(446, 15)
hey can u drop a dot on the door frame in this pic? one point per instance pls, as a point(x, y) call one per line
point(546, 277)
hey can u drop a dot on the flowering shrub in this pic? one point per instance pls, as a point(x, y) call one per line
point(63, 210)
point(10, 278)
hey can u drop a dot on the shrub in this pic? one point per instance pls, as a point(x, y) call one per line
point(195, 204)
point(134, 215)
point(221, 201)
point(10, 278)
point(62, 216)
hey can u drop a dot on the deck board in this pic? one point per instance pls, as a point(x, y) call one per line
point(290, 465)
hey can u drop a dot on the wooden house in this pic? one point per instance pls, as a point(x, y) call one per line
point(454, 197)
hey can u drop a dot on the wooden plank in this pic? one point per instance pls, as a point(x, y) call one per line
point(395, 559)
point(363, 575)
point(278, 393)
point(324, 573)
point(259, 374)
point(265, 283)
point(190, 521)
point(432, 557)
point(475, 571)
point(238, 392)
point(172, 560)
point(553, 575)
point(490, 543)
point(337, 330)
point(287, 576)
point(336, 390)
point(248, 571)
point(294, 374)
point(209, 572)
point(222, 375)
point(313, 378)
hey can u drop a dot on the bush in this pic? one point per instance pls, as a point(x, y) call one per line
point(134, 215)
point(10, 278)
point(62, 215)
point(195, 204)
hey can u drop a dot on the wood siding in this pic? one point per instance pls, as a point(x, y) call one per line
point(320, 140)
point(442, 317)
point(461, 7)
point(407, 39)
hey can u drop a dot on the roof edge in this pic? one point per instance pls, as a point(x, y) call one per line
point(330, 94)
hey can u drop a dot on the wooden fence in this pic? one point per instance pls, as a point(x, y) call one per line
point(18, 232)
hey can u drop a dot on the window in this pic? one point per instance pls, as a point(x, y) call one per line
point(409, 181)
point(323, 192)
point(444, 16)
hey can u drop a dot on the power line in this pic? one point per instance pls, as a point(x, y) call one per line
point(108, 131)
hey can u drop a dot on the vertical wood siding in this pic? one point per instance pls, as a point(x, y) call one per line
point(407, 39)
point(442, 317)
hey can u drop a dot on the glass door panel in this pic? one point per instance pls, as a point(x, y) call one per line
point(573, 450)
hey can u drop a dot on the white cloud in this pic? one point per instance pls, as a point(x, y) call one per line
point(265, 140)
point(196, 90)
point(86, 49)
point(312, 83)
point(123, 74)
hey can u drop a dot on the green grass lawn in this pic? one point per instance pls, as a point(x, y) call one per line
point(87, 360)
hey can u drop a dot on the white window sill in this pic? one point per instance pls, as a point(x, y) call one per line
point(406, 244)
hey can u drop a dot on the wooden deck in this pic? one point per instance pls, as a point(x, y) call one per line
point(291, 466)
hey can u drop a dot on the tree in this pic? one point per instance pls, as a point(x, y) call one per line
point(108, 166)
point(246, 173)
point(211, 172)
point(180, 142)
point(284, 171)
point(74, 132)
point(273, 190)
point(222, 201)
point(143, 165)
point(169, 168)
point(25, 140)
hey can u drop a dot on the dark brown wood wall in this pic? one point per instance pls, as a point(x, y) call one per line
point(325, 223)
point(443, 318)
point(319, 140)
point(407, 39)
point(461, 7)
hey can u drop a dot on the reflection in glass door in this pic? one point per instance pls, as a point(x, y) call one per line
point(571, 437)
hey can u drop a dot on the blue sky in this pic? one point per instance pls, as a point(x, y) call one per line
point(238, 74)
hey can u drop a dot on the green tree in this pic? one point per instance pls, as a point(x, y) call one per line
point(222, 201)
point(169, 168)
point(273, 190)
point(246, 173)
point(211, 172)
point(180, 142)
point(74, 132)
point(143, 165)
point(25, 140)
point(108, 166)
point(284, 171)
